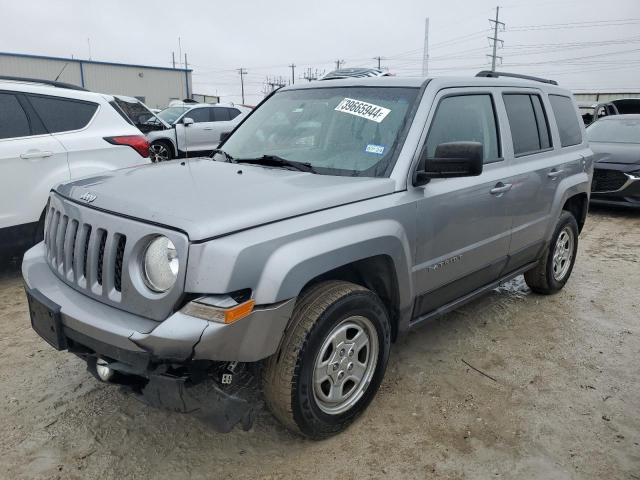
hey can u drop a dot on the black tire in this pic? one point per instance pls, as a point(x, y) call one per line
point(288, 375)
point(161, 151)
point(541, 278)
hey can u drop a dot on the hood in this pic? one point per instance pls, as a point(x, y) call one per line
point(621, 153)
point(205, 198)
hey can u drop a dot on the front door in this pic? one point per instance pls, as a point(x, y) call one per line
point(463, 223)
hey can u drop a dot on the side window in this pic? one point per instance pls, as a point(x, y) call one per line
point(528, 123)
point(541, 120)
point(220, 114)
point(198, 115)
point(62, 114)
point(13, 120)
point(233, 113)
point(567, 120)
point(465, 118)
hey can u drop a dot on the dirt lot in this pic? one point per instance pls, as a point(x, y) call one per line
point(565, 402)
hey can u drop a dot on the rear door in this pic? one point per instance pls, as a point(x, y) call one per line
point(539, 165)
point(463, 223)
point(31, 162)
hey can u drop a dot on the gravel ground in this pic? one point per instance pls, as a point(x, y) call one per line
point(564, 401)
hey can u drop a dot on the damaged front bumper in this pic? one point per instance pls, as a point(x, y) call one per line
point(168, 356)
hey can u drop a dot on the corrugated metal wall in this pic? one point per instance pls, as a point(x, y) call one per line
point(156, 85)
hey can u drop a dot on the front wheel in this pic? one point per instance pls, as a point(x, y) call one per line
point(331, 360)
point(160, 151)
point(555, 266)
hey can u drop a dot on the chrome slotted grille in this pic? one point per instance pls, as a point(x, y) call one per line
point(86, 255)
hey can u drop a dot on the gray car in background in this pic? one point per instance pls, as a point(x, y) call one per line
point(190, 129)
point(338, 216)
point(616, 177)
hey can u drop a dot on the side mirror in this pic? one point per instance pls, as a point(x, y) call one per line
point(452, 159)
point(186, 121)
point(224, 136)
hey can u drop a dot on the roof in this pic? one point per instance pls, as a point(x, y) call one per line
point(93, 62)
point(437, 82)
point(35, 87)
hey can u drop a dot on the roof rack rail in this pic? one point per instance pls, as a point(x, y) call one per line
point(490, 74)
point(44, 82)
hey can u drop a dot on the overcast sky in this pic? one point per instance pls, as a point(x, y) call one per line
point(585, 44)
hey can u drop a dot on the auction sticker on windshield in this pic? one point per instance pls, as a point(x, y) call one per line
point(363, 109)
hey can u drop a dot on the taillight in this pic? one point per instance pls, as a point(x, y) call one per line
point(138, 142)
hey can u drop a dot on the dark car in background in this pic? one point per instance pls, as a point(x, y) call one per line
point(616, 142)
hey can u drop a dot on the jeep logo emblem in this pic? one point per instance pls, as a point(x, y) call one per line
point(88, 197)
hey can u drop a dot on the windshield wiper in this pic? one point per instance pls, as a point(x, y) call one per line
point(276, 161)
point(228, 157)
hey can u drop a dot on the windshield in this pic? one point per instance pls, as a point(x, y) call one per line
point(172, 114)
point(339, 131)
point(615, 130)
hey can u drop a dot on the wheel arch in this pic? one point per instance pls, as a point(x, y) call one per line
point(378, 274)
point(578, 206)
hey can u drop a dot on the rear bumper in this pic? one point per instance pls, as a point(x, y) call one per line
point(138, 341)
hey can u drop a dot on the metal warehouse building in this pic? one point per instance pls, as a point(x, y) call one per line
point(155, 86)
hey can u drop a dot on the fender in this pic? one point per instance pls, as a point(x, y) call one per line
point(568, 187)
point(293, 265)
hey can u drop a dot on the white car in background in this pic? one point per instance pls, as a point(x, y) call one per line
point(190, 129)
point(50, 133)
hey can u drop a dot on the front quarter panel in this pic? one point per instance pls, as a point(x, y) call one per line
point(277, 260)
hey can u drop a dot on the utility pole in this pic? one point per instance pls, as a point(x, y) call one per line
point(378, 58)
point(496, 24)
point(293, 73)
point(338, 63)
point(173, 59)
point(242, 73)
point(311, 75)
point(425, 52)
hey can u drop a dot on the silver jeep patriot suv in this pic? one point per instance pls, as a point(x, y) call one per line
point(338, 215)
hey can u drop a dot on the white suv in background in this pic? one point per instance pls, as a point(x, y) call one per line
point(190, 129)
point(51, 133)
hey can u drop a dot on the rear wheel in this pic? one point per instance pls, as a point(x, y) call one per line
point(160, 151)
point(331, 360)
point(555, 266)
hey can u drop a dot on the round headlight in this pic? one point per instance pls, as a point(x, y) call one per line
point(160, 264)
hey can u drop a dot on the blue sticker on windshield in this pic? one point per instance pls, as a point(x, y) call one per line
point(377, 149)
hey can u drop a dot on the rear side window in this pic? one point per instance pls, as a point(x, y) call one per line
point(567, 120)
point(465, 118)
point(220, 114)
point(63, 114)
point(528, 123)
point(233, 113)
point(13, 119)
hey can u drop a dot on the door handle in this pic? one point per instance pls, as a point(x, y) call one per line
point(501, 188)
point(555, 173)
point(35, 154)
point(208, 128)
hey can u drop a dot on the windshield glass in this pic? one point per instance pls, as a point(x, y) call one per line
point(615, 130)
point(339, 131)
point(171, 114)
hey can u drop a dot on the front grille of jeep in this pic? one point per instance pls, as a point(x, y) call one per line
point(98, 254)
point(88, 255)
point(607, 180)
